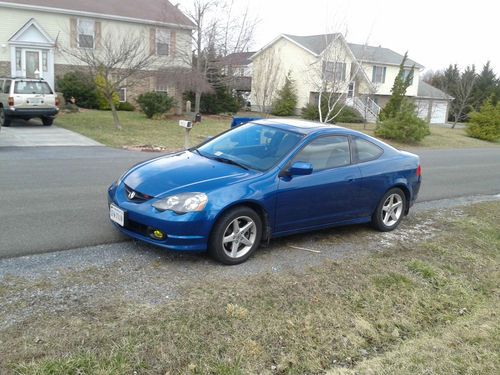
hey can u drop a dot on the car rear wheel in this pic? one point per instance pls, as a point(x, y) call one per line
point(47, 121)
point(390, 210)
point(4, 119)
point(236, 236)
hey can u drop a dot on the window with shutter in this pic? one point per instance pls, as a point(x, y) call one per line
point(162, 42)
point(86, 33)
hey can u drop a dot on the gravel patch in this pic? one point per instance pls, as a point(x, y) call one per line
point(136, 273)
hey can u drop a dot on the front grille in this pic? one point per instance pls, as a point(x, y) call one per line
point(138, 228)
point(136, 196)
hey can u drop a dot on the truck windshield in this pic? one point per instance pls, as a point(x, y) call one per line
point(32, 87)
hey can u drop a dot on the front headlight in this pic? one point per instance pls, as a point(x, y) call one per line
point(182, 203)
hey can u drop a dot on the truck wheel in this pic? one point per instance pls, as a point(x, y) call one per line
point(47, 121)
point(4, 119)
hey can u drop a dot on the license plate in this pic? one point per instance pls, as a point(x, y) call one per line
point(117, 215)
point(35, 101)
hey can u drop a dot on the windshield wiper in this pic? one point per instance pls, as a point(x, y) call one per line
point(230, 161)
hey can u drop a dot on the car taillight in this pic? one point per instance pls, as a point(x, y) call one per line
point(11, 101)
point(419, 171)
point(57, 101)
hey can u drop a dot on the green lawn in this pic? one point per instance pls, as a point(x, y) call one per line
point(165, 133)
point(427, 306)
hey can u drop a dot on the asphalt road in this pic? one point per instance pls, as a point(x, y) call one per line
point(54, 198)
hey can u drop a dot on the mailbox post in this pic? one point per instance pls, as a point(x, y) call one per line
point(187, 125)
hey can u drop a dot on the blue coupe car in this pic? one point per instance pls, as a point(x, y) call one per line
point(261, 180)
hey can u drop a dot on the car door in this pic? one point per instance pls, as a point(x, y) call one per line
point(326, 196)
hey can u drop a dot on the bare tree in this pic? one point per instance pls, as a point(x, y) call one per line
point(119, 61)
point(462, 92)
point(267, 75)
point(331, 75)
point(220, 29)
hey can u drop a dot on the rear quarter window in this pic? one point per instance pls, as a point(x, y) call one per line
point(6, 86)
point(32, 87)
point(366, 150)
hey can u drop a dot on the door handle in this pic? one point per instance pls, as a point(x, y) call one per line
point(349, 179)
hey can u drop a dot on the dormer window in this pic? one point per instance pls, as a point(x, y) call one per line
point(86, 33)
point(378, 74)
point(162, 42)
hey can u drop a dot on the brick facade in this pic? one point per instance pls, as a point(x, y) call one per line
point(5, 69)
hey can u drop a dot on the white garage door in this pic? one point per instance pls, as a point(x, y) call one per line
point(438, 114)
point(422, 109)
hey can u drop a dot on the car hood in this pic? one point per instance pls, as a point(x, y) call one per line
point(183, 171)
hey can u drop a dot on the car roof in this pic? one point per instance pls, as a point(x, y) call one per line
point(302, 126)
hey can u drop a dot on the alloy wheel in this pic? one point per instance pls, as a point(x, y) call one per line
point(239, 237)
point(392, 210)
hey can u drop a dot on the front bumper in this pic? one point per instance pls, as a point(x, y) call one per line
point(187, 232)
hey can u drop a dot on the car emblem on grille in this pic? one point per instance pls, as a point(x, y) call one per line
point(131, 195)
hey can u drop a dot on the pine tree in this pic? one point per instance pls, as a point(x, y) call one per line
point(485, 124)
point(486, 85)
point(399, 88)
point(286, 102)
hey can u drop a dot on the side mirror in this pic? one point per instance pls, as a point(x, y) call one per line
point(300, 168)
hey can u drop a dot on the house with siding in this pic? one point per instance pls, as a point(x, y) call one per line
point(365, 74)
point(35, 33)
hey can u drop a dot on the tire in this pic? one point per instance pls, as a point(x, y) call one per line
point(229, 249)
point(390, 210)
point(47, 121)
point(4, 119)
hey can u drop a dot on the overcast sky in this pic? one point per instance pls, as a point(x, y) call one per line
point(435, 32)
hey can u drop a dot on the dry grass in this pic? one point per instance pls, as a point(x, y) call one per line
point(165, 133)
point(427, 308)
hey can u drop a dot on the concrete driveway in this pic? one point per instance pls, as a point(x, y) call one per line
point(33, 134)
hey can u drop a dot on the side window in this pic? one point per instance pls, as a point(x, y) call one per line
point(6, 86)
point(325, 153)
point(366, 150)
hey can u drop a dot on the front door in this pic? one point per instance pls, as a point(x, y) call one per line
point(32, 63)
point(327, 195)
point(350, 90)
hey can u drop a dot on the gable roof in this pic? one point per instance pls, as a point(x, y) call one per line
point(238, 58)
point(380, 55)
point(150, 11)
point(316, 44)
point(428, 91)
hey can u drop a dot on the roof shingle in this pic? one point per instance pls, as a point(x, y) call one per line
point(160, 11)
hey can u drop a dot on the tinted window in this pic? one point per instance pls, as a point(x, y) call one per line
point(254, 146)
point(325, 153)
point(6, 87)
point(32, 87)
point(366, 150)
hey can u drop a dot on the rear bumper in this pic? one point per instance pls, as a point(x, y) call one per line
point(31, 112)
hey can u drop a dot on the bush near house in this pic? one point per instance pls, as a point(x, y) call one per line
point(404, 125)
point(81, 86)
point(346, 115)
point(286, 101)
point(220, 101)
point(485, 124)
point(155, 103)
point(126, 106)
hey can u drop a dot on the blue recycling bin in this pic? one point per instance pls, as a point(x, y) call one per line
point(242, 120)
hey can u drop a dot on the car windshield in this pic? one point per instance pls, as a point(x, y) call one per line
point(32, 87)
point(251, 146)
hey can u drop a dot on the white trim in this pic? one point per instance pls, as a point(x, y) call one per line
point(389, 64)
point(124, 94)
point(91, 15)
point(32, 22)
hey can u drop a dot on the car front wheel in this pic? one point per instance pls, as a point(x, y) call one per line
point(236, 236)
point(390, 210)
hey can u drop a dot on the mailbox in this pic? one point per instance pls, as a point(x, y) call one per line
point(186, 124)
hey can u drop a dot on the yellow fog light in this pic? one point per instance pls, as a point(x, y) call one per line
point(158, 234)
